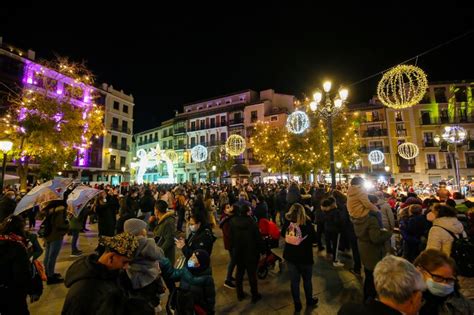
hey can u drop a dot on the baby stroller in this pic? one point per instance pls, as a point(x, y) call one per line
point(269, 260)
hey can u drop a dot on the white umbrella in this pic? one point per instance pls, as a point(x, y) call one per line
point(51, 190)
point(79, 197)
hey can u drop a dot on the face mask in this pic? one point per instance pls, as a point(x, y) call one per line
point(439, 289)
point(104, 200)
point(193, 228)
point(191, 263)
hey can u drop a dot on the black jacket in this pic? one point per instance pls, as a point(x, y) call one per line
point(333, 221)
point(373, 307)
point(107, 218)
point(245, 241)
point(147, 203)
point(93, 289)
point(302, 253)
point(7, 206)
point(202, 239)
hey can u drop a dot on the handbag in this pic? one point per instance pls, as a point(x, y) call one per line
point(40, 269)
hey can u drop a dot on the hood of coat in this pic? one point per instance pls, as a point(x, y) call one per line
point(355, 191)
point(167, 216)
point(147, 248)
point(449, 223)
point(87, 267)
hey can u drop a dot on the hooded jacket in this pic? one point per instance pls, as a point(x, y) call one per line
point(358, 203)
point(388, 219)
point(440, 239)
point(371, 240)
point(164, 232)
point(145, 268)
point(203, 238)
point(93, 289)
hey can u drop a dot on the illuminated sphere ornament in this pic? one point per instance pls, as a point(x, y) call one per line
point(454, 134)
point(297, 122)
point(172, 155)
point(402, 86)
point(376, 157)
point(235, 145)
point(199, 153)
point(408, 150)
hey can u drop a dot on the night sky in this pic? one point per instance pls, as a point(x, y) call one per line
point(167, 57)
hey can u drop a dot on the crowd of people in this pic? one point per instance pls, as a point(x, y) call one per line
point(152, 237)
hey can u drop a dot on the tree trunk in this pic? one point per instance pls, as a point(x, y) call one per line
point(22, 171)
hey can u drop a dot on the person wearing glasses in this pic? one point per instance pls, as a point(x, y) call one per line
point(442, 295)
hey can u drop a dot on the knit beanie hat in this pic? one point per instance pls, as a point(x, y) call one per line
point(124, 244)
point(134, 226)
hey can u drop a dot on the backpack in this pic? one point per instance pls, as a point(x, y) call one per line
point(462, 251)
point(293, 234)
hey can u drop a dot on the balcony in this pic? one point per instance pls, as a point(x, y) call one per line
point(236, 121)
point(180, 165)
point(401, 132)
point(112, 166)
point(121, 129)
point(406, 168)
point(367, 150)
point(120, 146)
point(381, 118)
point(179, 130)
point(180, 147)
point(374, 133)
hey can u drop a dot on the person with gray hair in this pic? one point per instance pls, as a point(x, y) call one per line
point(399, 285)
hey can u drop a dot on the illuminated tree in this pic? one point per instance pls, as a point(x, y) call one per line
point(53, 120)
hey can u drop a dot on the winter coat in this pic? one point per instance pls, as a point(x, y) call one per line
point(93, 289)
point(372, 307)
point(261, 210)
point(388, 219)
point(302, 253)
point(225, 227)
point(59, 224)
point(201, 239)
point(7, 207)
point(413, 228)
point(144, 268)
point(281, 203)
point(440, 239)
point(147, 203)
point(294, 194)
point(333, 220)
point(370, 239)
point(358, 203)
point(454, 304)
point(200, 283)
point(75, 223)
point(245, 241)
point(15, 275)
point(164, 233)
point(107, 218)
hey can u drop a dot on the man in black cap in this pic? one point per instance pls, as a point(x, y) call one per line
point(92, 280)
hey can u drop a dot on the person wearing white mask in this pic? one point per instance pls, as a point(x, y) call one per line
point(200, 237)
point(442, 295)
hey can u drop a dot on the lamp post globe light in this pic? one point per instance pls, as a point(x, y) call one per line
point(5, 146)
point(328, 105)
point(339, 166)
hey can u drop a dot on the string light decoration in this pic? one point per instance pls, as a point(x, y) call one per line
point(376, 157)
point(235, 145)
point(408, 150)
point(297, 122)
point(454, 134)
point(403, 86)
point(172, 155)
point(199, 153)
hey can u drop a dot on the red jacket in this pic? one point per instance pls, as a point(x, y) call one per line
point(268, 228)
point(225, 226)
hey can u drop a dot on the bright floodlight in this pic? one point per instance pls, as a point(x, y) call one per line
point(338, 164)
point(313, 106)
point(5, 145)
point(337, 102)
point(317, 96)
point(327, 86)
point(343, 93)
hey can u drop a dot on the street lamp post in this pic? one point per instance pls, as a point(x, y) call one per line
point(339, 166)
point(123, 168)
point(331, 106)
point(5, 146)
point(214, 170)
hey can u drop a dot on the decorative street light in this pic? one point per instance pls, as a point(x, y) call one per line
point(328, 105)
point(123, 168)
point(339, 166)
point(5, 146)
point(454, 135)
point(387, 168)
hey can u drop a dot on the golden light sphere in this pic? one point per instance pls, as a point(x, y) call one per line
point(402, 86)
point(235, 145)
point(172, 155)
point(408, 150)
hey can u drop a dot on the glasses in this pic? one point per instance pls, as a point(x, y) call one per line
point(441, 279)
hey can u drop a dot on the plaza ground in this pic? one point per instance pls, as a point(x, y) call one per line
point(333, 286)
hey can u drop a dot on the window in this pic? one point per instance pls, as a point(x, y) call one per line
point(398, 116)
point(428, 139)
point(440, 94)
point(170, 132)
point(461, 94)
point(170, 144)
point(112, 161)
point(203, 123)
point(114, 139)
point(222, 120)
point(123, 145)
point(431, 161)
point(426, 98)
point(223, 137)
point(193, 125)
point(401, 131)
point(273, 118)
point(140, 141)
point(213, 122)
point(237, 116)
point(156, 136)
point(213, 139)
point(115, 122)
point(193, 142)
point(425, 118)
point(125, 109)
point(376, 145)
point(448, 160)
point(123, 161)
point(165, 133)
point(146, 139)
point(444, 116)
point(116, 105)
point(180, 144)
point(253, 116)
point(202, 140)
point(125, 126)
point(470, 160)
